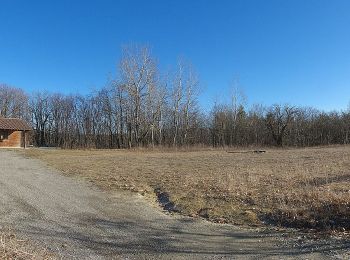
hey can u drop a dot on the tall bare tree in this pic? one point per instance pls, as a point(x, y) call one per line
point(13, 102)
point(40, 107)
point(138, 72)
point(278, 118)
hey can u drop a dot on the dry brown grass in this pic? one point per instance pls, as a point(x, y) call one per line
point(308, 188)
point(12, 247)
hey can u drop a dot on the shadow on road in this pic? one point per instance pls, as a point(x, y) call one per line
point(182, 238)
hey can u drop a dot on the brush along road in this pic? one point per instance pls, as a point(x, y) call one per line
point(77, 221)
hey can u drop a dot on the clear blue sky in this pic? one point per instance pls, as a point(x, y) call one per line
point(285, 51)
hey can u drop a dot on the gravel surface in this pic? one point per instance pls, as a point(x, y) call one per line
point(77, 221)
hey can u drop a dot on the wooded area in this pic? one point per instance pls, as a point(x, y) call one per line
point(142, 107)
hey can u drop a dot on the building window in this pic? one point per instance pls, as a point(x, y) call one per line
point(4, 135)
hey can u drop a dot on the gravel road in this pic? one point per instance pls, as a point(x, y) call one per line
point(77, 221)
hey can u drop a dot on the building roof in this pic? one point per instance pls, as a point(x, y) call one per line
point(14, 124)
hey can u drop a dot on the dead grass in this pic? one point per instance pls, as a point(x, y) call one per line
point(12, 247)
point(306, 188)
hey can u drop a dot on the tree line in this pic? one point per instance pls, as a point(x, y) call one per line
point(143, 108)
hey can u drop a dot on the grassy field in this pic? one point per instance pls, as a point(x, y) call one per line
point(304, 188)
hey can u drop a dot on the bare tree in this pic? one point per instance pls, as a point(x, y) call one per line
point(183, 99)
point(138, 73)
point(176, 104)
point(191, 90)
point(13, 102)
point(40, 107)
point(278, 119)
point(238, 101)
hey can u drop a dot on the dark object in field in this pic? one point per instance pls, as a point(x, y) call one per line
point(259, 151)
point(164, 200)
point(255, 151)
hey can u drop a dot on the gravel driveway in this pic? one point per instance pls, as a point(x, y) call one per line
point(77, 221)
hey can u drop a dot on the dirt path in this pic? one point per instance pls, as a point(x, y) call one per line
point(77, 221)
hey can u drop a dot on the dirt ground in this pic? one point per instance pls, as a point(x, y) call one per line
point(75, 220)
point(304, 188)
point(12, 247)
